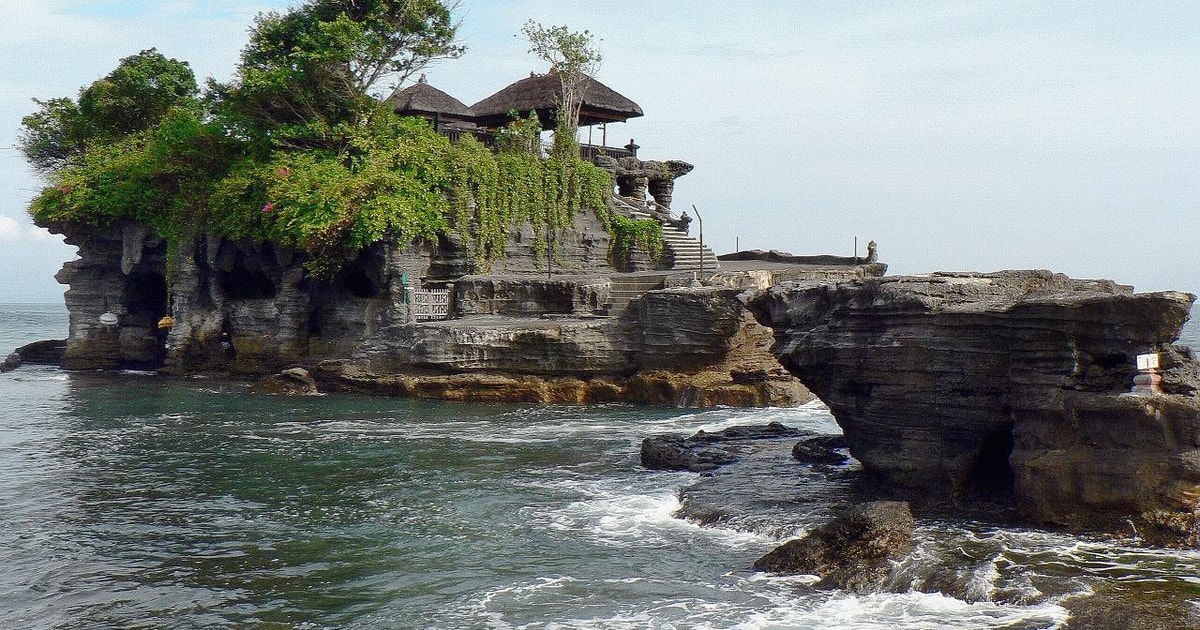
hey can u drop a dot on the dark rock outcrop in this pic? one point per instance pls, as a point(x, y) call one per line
point(289, 382)
point(822, 449)
point(48, 352)
point(704, 451)
point(1132, 606)
point(252, 309)
point(853, 551)
point(777, 256)
point(1010, 384)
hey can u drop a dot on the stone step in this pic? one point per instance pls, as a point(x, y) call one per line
point(685, 250)
point(624, 289)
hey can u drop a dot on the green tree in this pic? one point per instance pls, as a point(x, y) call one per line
point(52, 135)
point(135, 96)
point(573, 56)
point(308, 75)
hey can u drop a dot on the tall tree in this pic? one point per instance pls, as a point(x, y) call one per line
point(574, 57)
point(135, 96)
point(318, 66)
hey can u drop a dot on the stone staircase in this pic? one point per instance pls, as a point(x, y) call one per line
point(627, 287)
point(685, 251)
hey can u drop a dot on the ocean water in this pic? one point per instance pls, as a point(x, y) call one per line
point(132, 501)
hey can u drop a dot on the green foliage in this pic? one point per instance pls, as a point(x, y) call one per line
point(134, 97)
point(332, 205)
point(520, 135)
point(137, 94)
point(159, 176)
point(628, 233)
point(297, 152)
point(573, 56)
point(492, 192)
point(306, 77)
point(52, 135)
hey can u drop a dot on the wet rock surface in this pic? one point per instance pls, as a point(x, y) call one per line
point(708, 451)
point(289, 382)
point(1011, 384)
point(1132, 607)
point(750, 481)
point(852, 551)
point(48, 352)
point(822, 449)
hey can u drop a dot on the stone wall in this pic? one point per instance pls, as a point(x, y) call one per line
point(120, 271)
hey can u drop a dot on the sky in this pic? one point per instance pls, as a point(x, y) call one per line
point(972, 135)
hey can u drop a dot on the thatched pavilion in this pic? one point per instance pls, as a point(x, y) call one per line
point(426, 101)
point(541, 93)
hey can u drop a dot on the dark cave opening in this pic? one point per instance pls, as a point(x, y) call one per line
point(991, 474)
point(359, 283)
point(243, 284)
point(146, 301)
point(364, 276)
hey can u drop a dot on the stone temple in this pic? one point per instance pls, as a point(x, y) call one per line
point(413, 318)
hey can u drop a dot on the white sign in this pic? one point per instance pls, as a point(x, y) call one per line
point(1147, 361)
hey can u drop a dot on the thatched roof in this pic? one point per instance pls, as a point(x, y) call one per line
point(540, 93)
point(422, 99)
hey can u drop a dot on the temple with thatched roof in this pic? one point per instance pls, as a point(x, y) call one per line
point(426, 101)
point(539, 94)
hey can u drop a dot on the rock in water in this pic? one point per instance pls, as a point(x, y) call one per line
point(48, 352)
point(290, 382)
point(11, 362)
point(1011, 384)
point(853, 551)
point(821, 449)
point(704, 451)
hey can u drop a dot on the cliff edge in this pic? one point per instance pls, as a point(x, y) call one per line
point(1012, 386)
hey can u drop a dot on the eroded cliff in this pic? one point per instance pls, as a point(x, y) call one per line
point(1011, 385)
point(518, 335)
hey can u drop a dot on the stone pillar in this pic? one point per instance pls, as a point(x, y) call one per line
point(640, 184)
point(662, 189)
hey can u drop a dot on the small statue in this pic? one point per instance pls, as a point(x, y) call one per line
point(872, 256)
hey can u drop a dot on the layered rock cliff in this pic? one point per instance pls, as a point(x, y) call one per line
point(252, 309)
point(1011, 385)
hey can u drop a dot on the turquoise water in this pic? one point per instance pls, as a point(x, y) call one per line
point(132, 501)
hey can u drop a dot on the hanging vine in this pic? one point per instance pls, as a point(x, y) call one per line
point(627, 233)
point(494, 191)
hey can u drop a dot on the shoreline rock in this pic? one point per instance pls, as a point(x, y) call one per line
point(46, 352)
point(251, 310)
point(853, 551)
point(704, 452)
point(1011, 384)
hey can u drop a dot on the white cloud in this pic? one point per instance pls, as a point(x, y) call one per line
point(10, 230)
